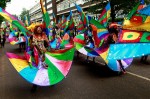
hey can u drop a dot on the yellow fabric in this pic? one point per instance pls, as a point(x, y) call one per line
point(104, 56)
point(12, 43)
point(135, 35)
point(19, 64)
point(100, 30)
point(32, 26)
point(108, 14)
point(137, 26)
point(6, 17)
point(147, 19)
point(42, 6)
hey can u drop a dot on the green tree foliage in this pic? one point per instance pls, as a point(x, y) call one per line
point(23, 14)
point(3, 5)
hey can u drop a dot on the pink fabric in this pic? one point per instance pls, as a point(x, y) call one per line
point(11, 55)
point(63, 66)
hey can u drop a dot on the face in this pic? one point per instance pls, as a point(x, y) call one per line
point(39, 30)
point(115, 37)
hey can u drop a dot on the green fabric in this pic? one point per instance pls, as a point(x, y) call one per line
point(81, 37)
point(46, 19)
point(78, 46)
point(64, 42)
point(96, 23)
point(145, 37)
point(103, 17)
point(66, 56)
point(102, 41)
point(18, 25)
point(54, 74)
point(133, 11)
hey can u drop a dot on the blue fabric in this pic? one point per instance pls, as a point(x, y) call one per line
point(108, 7)
point(142, 1)
point(125, 51)
point(102, 33)
point(145, 10)
point(78, 8)
point(112, 64)
point(29, 73)
point(53, 44)
point(1, 9)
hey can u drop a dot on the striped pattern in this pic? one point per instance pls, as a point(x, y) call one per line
point(71, 23)
point(59, 64)
point(105, 15)
point(82, 15)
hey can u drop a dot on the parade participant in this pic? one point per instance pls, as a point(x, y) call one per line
point(3, 37)
point(90, 41)
point(0, 37)
point(39, 40)
point(23, 43)
point(144, 59)
point(112, 39)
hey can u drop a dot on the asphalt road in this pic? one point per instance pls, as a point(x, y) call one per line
point(84, 81)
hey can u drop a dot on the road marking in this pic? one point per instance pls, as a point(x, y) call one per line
point(145, 78)
point(136, 75)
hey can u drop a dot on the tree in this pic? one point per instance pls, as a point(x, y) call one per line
point(23, 14)
point(3, 5)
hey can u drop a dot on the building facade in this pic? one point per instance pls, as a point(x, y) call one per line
point(35, 12)
point(59, 8)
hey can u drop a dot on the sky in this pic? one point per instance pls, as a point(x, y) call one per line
point(16, 6)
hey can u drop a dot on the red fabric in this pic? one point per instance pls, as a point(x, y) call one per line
point(137, 19)
point(96, 39)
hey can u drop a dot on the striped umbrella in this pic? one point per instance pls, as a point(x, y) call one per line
point(59, 64)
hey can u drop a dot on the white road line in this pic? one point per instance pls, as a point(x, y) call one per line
point(145, 78)
point(136, 75)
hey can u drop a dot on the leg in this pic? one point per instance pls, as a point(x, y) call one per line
point(145, 60)
point(94, 59)
point(121, 66)
point(78, 54)
point(33, 89)
point(142, 58)
point(87, 59)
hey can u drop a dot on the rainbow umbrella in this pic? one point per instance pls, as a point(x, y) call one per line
point(59, 64)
